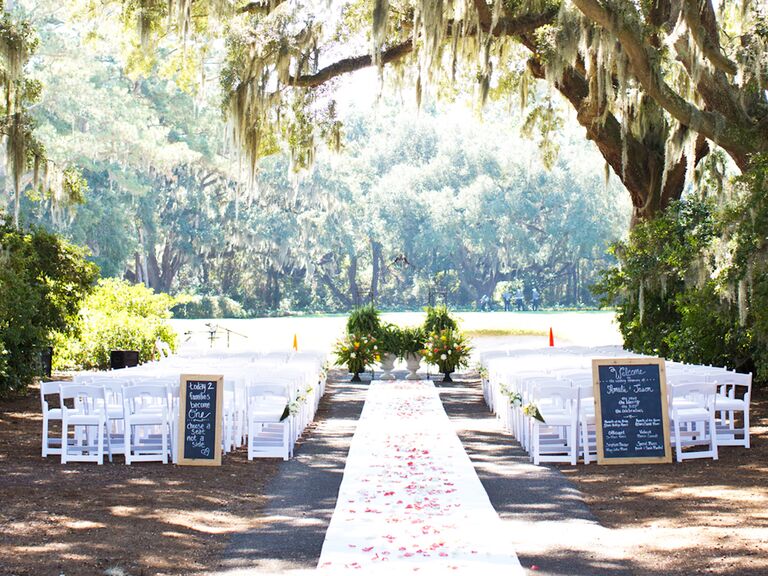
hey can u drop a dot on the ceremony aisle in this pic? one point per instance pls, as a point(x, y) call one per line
point(410, 499)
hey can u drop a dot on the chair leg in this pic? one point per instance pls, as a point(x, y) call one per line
point(573, 436)
point(746, 428)
point(286, 441)
point(164, 442)
point(64, 442)
point(128, 446)
point(251, 430)
point(585, 442)
point(100, 443)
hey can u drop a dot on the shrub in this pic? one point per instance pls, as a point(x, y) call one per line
point(208, 307)
point(43, 280)
point(682, 290)
point(116, 316)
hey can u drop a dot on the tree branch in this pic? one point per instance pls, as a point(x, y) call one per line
point(260, 7)
point(727, 132)
point(704, 37)
point(352, 64)
point(504, 27)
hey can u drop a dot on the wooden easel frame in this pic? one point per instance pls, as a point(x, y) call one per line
point(219, 381)
point(601, 459)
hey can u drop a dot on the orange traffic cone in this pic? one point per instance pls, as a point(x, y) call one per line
point(295, 343)
point(551, 338)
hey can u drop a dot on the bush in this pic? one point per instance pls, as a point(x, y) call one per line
point(116, 316)
point(208, 307)
point(43, 280)
point(675, 299)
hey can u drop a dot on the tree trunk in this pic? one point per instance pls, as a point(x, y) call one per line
point(376, 260)
point(641, 169)
point(354, 291)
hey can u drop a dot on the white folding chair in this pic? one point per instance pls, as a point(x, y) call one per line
point(269, 434)
point(556, 438)
point(51, 445)
point(733, 397)
point(88, 411)
point(587, 421)
point(692, 414)
point(113, 394)
point(147, 424)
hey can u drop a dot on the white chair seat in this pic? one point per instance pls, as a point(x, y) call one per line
point(728, 403)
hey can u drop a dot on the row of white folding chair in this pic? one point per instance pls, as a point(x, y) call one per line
point(733, 394)
point(84, 407)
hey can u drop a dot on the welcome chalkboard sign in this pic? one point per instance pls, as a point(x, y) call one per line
point(631, 413)
point(200, 403)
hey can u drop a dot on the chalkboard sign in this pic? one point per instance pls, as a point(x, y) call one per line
point(200, 402)
point(631, 411)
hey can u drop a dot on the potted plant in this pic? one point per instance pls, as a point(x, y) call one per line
point(356, 352)
point(439, 318)
point(364, 320)
point(448, 350)
point(411, 345)
point(389, 337)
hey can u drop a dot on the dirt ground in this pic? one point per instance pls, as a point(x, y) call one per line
point(698, 517)
point(147, 518)
point(695, 517)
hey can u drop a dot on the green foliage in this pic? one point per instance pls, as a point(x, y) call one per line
point(43, 280)
point(208, 307)
point(389, 339)
point(691, 285)
point(364, 320)
point(116, 316)
point(412, 340)
point(438, 319)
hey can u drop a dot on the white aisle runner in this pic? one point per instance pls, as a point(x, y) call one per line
point(410, 499)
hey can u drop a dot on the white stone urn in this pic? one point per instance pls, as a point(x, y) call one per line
point(413, 361)
point(387, 364)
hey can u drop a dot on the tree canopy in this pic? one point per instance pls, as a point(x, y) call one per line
point(655, 84)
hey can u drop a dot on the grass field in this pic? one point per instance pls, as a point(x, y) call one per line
point(319, 332)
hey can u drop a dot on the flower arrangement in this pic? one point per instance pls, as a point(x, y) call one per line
point(448, 349)
point(357, 352)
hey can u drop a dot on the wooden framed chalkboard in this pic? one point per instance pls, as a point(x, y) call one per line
point(200, 404)
point(631, 412)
